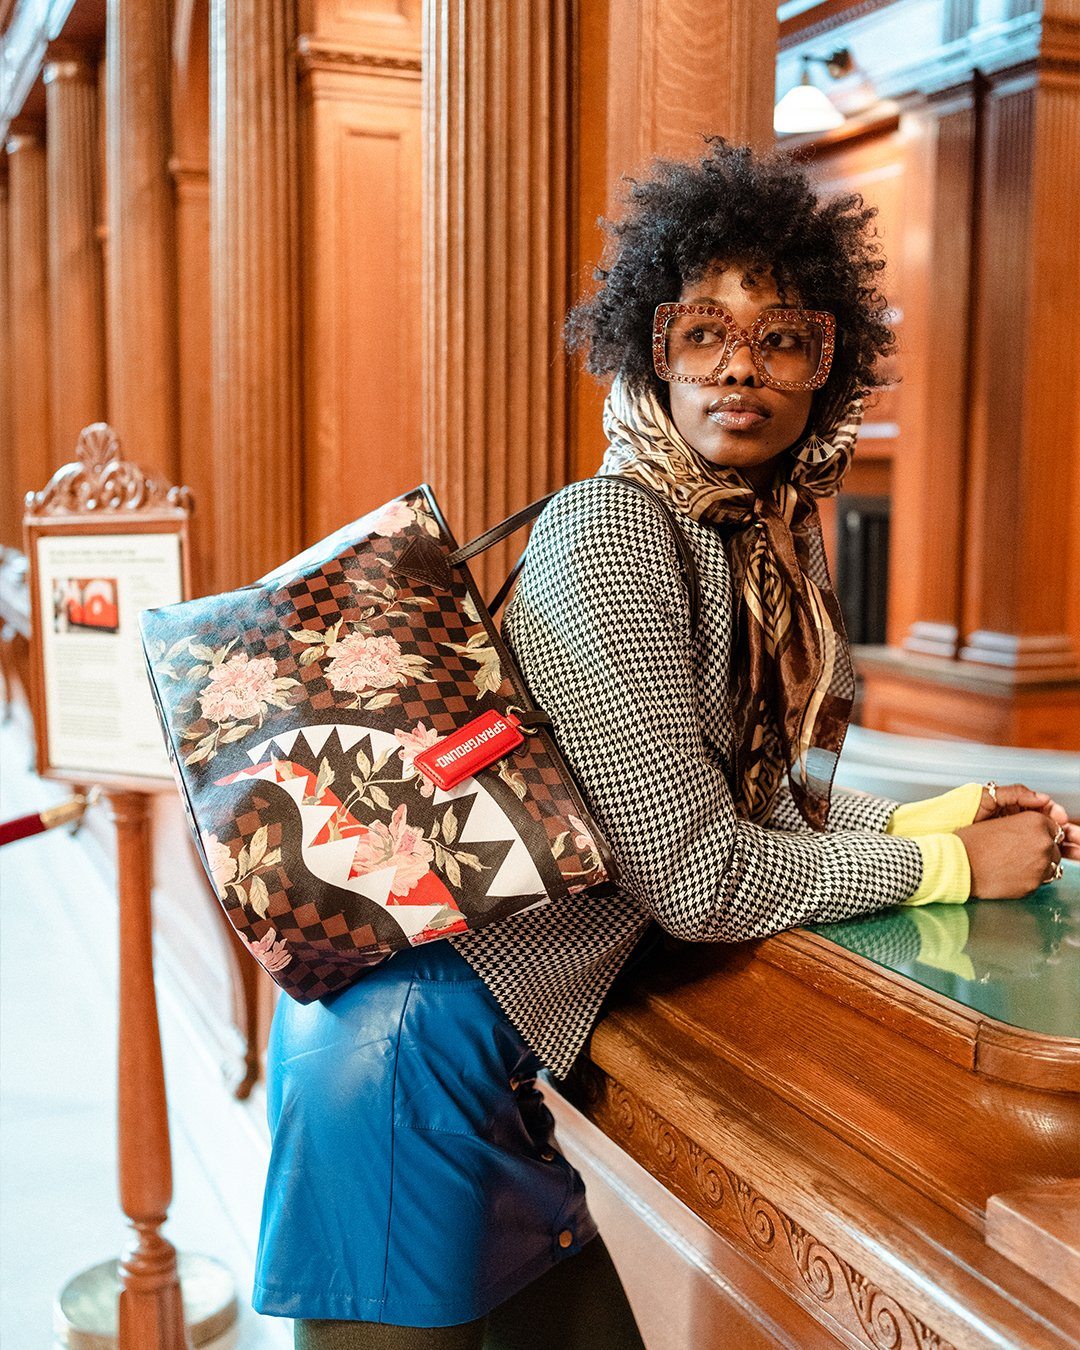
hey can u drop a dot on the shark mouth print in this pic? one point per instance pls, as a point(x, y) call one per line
point(343, 845)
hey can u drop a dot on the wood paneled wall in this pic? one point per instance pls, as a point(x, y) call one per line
point(361, 258)
point(880, 167)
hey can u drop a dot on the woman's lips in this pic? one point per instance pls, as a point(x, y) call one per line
point(737, 419)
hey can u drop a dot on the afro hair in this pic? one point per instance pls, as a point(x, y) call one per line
point(757, 211)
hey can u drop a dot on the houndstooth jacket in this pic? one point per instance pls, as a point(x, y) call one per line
point(600, 626)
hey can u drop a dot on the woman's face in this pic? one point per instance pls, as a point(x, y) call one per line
point(737, 421)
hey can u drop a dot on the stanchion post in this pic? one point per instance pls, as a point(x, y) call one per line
point(151, 1309)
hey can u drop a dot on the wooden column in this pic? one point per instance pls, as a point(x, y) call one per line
point(253, 243)
point(190, 168)
point(141, 270)
point(678, 68)
point(1027, 374)
point(927, 471)
point(29, 302)
point(497, 99)
point(10, 507)
point(76, 311)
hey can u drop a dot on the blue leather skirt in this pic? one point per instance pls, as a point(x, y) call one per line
point(413, 1176)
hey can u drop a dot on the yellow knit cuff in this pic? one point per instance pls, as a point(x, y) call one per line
point(937, 815)
point(946, 876)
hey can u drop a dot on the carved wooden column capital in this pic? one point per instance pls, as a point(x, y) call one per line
point(76, 306)
point(497, 92)
point(141, 270)
point(253, 244)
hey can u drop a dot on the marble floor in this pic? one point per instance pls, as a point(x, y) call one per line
point(59, 1211)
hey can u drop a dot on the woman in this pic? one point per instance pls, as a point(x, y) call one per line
point(742, 323)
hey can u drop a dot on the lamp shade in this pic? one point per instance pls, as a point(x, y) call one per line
point(805, 108)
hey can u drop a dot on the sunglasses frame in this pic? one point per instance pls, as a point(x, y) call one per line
point(737, 335)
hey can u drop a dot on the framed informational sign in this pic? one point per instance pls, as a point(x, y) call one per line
point(104, 541)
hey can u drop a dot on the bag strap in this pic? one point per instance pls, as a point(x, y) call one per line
point(506, 527)
point(499, 532)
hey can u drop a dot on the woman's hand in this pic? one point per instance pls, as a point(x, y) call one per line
point(1011, 855)
point(1012, 798)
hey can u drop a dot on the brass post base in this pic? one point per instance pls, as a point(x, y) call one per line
point(86, 1313)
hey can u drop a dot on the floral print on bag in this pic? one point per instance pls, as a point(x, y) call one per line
point(362, 662)
point(271, 952)
point(397, 845)
point(412, 743)
point(242, 874)
point(396, 517)
point(233, 687)
point(359, 664)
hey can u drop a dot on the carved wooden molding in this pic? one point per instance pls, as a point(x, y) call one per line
point(812, 1273)
point(312, 54)
point(822, 18)
point(101, 480)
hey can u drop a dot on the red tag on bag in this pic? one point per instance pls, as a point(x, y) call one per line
point(469, 749)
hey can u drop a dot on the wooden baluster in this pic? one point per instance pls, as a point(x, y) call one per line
point(151, 1310)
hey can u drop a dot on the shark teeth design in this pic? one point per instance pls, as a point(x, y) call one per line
point(318, 734)
point(487, 822)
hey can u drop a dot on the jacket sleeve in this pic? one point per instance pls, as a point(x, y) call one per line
point(850, 809)
point(600, 627)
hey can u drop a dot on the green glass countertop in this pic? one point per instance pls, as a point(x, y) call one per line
point(1017, 961)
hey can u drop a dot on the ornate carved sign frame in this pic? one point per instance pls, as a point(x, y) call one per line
point(103, 541)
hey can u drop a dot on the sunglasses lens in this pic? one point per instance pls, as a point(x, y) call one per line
point(694, 344)
point(791, 350)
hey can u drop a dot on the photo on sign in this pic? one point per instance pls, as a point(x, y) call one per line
point(86, 604)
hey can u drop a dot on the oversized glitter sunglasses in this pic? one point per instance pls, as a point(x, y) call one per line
point(790, 348)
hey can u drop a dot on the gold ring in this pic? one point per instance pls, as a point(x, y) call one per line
point(991, 787)
point(1060, 834)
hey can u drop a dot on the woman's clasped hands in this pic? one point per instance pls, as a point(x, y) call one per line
point(1017, 841)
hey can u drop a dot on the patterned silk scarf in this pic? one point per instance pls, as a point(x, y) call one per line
point(793, 685)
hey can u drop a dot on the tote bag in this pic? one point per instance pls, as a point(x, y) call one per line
point(362, 766)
